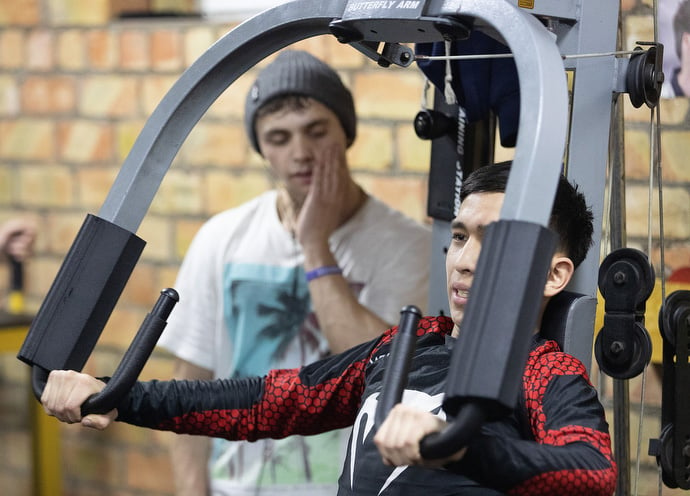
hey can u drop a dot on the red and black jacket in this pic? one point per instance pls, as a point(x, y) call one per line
point(555, 442)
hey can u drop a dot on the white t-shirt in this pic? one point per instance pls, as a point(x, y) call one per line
point(245, 309)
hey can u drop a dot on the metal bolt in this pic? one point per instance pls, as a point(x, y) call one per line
point(619, 277)
point(616, 348)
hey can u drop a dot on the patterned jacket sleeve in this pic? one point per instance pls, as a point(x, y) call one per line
point(322, 396)
point(565, 449)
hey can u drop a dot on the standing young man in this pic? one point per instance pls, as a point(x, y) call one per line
point(555, 442)
point(313, 267)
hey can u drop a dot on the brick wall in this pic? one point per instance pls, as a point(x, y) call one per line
point(76, 88)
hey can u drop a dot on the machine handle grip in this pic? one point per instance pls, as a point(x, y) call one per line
point(135, 357)
point(131, 364)
point(395, 375)
point(15, 299)
point(456, 435)
point(470, 416)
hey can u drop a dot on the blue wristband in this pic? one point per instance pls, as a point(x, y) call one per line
point(328, 270)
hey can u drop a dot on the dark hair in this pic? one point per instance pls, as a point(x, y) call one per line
point(681, 23)
point(571, 219)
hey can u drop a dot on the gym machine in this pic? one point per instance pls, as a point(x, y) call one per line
point(559, 122)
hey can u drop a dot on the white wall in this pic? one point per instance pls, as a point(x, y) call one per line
point(236, 9)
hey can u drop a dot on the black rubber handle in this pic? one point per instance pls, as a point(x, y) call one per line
point(398, 367)
point(135, 358)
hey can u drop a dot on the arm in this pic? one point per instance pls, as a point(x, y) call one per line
point(344, 321)
point(189, 454)
point(323, 396)
point(568, 450)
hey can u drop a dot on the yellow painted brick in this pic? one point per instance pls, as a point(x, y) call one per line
point(166, 275)
point(61, 230)
point(71, 50)
point(196, 41)
point(388, 93)
point(185, 230)
point(166, 50)
point(407, 194)
point(632, 114)
point(141, 290)
point(675, 146)
point(42, 273)
point(27, 139)
point(315, 46)
point(180, 6)
point(180, 193)
point(676, 255)
point(224, 190)
point(88, 461)
point(673, 110)
point(343, 56)
point(230, 104)
point(126, 134)
point(637, 28)
point(215, 144)
point(46, 186)
point(6, 185)
point(636, 154)
point(372, 149)
point(627, 5)
point(148, 472)
point(109, 96)
point(101, 49)
point(414, 154)
point(676, 212)
point(20, 13)
point(135, 52)
point(12, 48)
point(94, 183)
point(154, 89)
point(9, 96)
point(40, 56)
point(118, 333)
point(86, 142)
point(159, 366)
point(48, 95)
point(71, 12)
point(23, 443)
point(157, 232)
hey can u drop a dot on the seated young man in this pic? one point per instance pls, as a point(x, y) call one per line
point(555, 442)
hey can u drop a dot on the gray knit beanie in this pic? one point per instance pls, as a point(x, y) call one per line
point(296, 72)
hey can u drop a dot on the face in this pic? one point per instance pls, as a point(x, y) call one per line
point(293, 139)
point(467, 229)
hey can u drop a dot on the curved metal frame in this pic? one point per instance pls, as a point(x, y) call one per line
point(543, 120)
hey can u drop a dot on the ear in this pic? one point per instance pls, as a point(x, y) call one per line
point(559, 276)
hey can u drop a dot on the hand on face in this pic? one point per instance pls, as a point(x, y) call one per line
point(399, 436)
point(325, 206)
point(66, 391)
point(17, 238)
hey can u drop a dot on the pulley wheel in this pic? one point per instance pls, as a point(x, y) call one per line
point(624, 267)
point(641, 354)
point(642, 79)
point(674, 309)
